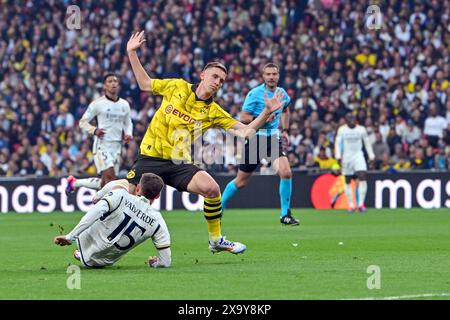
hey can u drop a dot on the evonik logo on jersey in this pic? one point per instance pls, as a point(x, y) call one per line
point(184, 116)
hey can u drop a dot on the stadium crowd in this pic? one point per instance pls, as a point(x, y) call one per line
point(395, 78)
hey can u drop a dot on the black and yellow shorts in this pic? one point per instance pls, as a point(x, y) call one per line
point(173, 174)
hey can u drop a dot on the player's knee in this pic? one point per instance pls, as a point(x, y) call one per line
point(240, 183)
point(212, 190)
point(362, 176)
point(107, 176)
point(285, 173)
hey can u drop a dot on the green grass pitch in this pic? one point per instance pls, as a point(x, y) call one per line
point(410, 247)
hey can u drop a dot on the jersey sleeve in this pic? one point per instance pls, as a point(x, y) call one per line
point(95, 213)
point(250, 102)
point(287, 101)
point(90, 113)
point(162, 87)
point(161, 239)
point(367, 144)
point(114, 199)
point(107, 188)
point(128, 124)
point(222, 119)
point(338, 145)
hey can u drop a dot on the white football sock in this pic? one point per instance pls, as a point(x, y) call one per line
point(92, 183)
point(349, 195)
point(362, 191)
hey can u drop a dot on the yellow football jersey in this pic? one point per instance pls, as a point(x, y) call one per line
point(180, 120)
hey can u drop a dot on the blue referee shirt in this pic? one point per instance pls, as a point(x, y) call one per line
point(254, 104)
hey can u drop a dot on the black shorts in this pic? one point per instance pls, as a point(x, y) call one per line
point(258, 148)
point(174, 175)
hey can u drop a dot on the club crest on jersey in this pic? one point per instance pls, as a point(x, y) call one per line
point(131, 174)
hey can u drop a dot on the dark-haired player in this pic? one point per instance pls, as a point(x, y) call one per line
point(113, 127)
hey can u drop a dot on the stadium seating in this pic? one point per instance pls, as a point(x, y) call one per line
point(395, 78)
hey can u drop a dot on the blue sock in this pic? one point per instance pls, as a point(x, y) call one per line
point(356, 197)
point(228, 193)
point(285, 195)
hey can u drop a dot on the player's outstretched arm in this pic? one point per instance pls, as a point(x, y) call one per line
point(163, 260)
point(88, 219)
point(271, 105)
point(143, 79)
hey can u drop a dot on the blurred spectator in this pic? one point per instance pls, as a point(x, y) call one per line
point(418, 159)
point(392, 139)
point(402, 164)
point(440, 160)
point(323, 160)
point(411, 134)
point(434, 125)
point(380, 149)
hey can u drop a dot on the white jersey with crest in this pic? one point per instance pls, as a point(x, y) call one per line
point(349, 143)
point(113, 116)
point(122, 221)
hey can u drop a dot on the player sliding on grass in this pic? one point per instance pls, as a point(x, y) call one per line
point(120, 221)
point(186, 112)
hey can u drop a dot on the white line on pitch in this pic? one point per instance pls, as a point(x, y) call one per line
point(412, 296)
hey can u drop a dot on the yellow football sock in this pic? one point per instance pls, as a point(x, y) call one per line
point(212, 208)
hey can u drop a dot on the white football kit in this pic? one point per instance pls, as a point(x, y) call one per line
point(348, 147)
point(114, 117)
point(115, 225)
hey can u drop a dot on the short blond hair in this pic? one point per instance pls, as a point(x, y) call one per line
point(216, 64)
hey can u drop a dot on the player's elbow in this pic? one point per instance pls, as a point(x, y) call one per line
point(83, 124)
point(145, 85)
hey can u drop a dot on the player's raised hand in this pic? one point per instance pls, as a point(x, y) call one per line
point(136, 40)
point(276, 102)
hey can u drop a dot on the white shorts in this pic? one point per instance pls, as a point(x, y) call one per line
point(357, 163)
point(107, 155)
point(94, 253)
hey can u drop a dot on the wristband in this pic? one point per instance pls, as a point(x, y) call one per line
point(286, 130)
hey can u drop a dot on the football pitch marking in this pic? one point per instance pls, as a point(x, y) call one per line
point(411, 296)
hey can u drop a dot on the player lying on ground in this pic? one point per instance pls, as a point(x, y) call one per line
point(119, 222)
point(186, 112)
